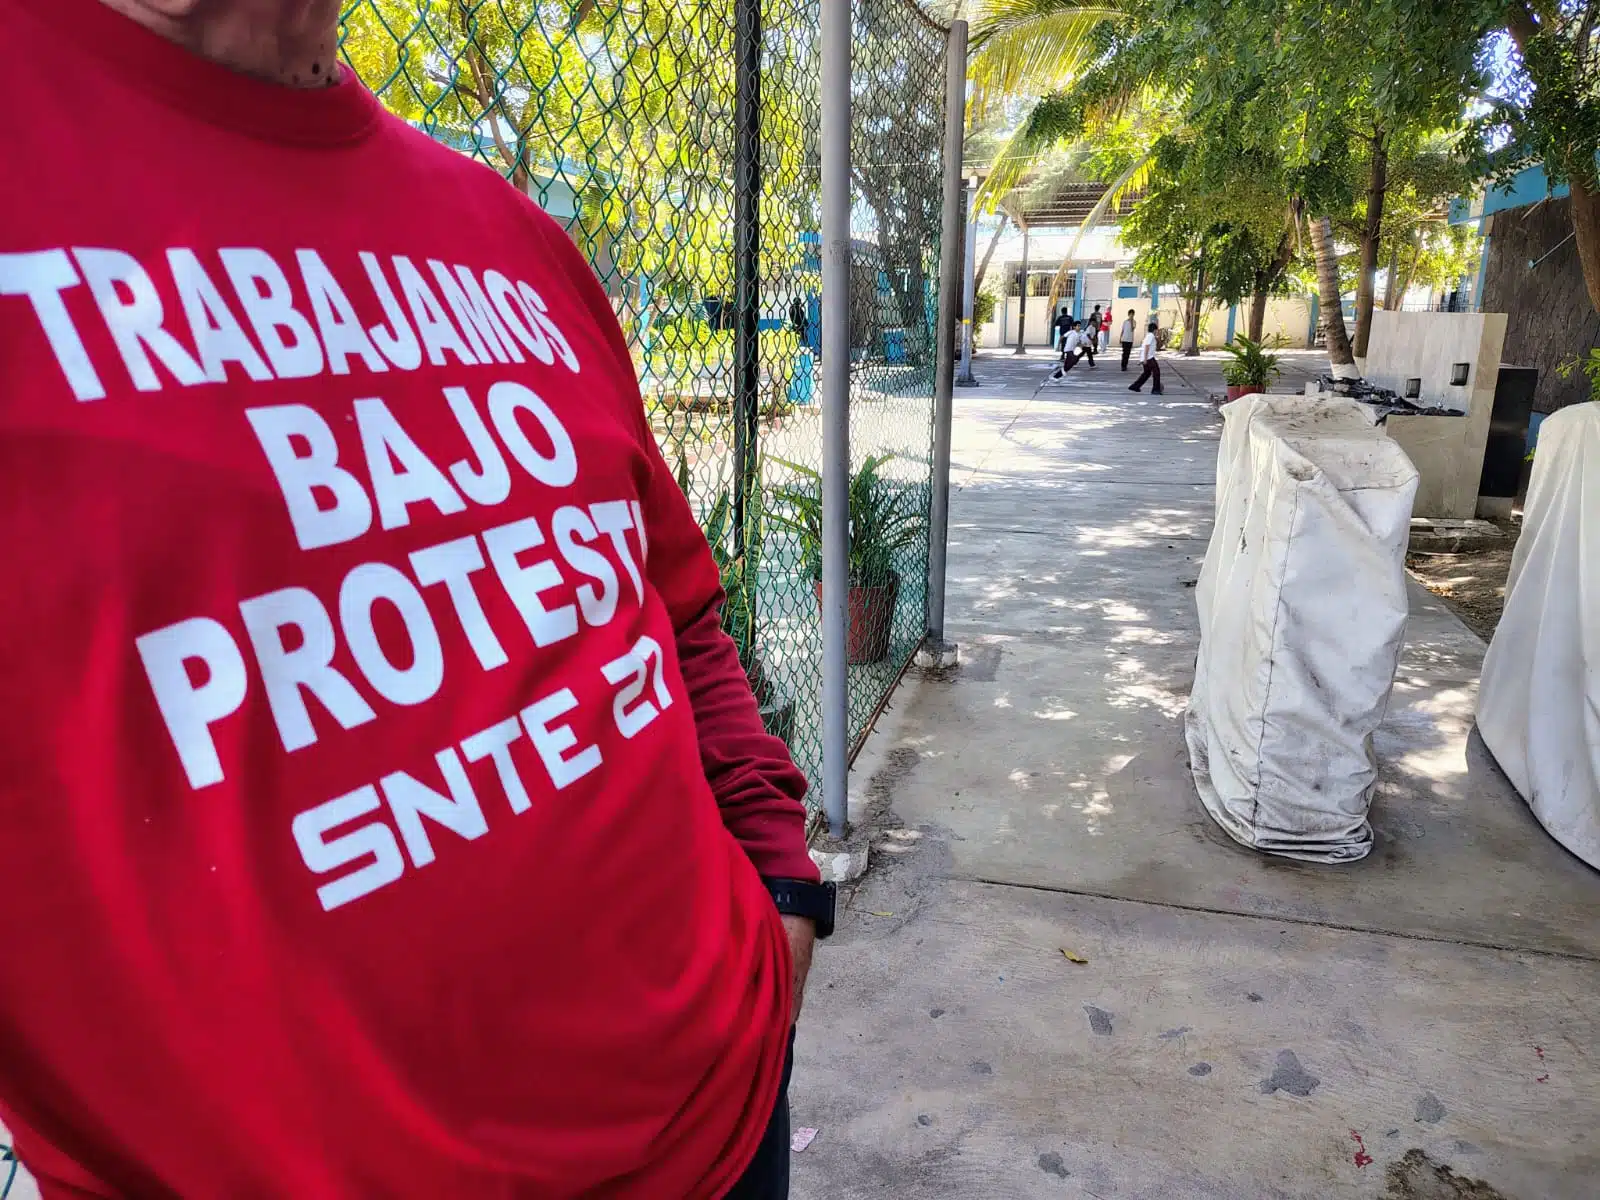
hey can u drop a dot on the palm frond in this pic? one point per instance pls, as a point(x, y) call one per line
point(1056, 118)
point(1133, 179)
point(1031, 46)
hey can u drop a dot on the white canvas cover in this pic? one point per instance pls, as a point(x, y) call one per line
point(1539, 699)
point(1302, 603)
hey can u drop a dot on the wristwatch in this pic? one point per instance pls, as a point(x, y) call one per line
point(797, 898)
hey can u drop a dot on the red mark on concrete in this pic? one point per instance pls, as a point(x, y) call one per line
point(1539, 1050)
point(1542, 1079)
point(1362, 1157)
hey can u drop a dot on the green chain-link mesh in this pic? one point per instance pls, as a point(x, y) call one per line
point(618, 117)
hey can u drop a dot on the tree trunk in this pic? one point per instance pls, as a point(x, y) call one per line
point(1339, 353)
point(1197, 299)
point(1258, 315)
point(1266, 280)
point(1585, 187)
point(1586, 233)
point(1371, 236)
point(1411, 266)
point(1391, 296)
point(902, 262)
point(977, 282)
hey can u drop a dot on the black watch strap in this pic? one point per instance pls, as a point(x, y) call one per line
point(798, 898)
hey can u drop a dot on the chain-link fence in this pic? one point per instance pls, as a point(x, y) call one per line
point(678, 142)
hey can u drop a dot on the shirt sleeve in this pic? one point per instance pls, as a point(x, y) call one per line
point(758, 788)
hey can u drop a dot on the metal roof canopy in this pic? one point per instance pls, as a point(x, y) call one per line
point(1066, 206)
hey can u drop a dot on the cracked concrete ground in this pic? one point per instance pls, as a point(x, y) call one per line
point(1421, 1024)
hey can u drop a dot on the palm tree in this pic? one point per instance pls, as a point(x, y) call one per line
point(1340, 354)
point(1136, 80)
point(1033, 50)
point(1029, 47)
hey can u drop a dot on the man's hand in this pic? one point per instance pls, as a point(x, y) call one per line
point(802, 933)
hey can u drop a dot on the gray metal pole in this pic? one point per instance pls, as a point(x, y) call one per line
point(835, 409)
point(746, 259)
point(964, 377)
point(1022, 303)
point(950, 245)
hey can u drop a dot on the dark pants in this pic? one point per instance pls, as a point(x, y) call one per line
point(1068, 360)
point(1088, 352)
point(1127, 351)
point(1152, 372)
point(767, 1177)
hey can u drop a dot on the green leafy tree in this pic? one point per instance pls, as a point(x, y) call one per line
point(1328, 92)
point(622, 111)
point(1420, 246)
point(1547, 108)
point(1030, 47)
point(895, 160)
point(1213, 223)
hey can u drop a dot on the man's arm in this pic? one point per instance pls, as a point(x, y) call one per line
point(756, 784)
point(758, 789)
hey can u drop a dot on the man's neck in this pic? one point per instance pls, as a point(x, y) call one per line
point(290, 42)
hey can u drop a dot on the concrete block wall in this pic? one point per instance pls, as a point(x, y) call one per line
point(1447, 451)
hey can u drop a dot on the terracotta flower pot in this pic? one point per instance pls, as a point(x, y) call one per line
point(871, 617)
point(1235, 390)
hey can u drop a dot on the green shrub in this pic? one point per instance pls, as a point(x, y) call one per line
point(886, 517)
point(1252, 366)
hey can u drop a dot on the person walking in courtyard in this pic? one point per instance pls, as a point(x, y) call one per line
point(1104, 331)
point(1151, 368)
point(1085, 343)
point(385, 811)
point(800, 319)
point(1129, 328)
point(1091, 327)
point(1063, 323)
point(1074, 348)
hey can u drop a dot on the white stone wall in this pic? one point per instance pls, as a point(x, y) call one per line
point(1447, 451)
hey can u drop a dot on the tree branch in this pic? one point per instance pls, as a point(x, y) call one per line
point(1590, 12)
point(477, 67)
point(1522, 25)
point(977, 282)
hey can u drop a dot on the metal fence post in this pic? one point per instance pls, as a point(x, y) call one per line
point(1022, 303)
point(836, 31)
point(965, 377)
point(746, 258)
point(950, 256)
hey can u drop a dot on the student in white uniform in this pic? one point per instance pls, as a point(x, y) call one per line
point(1074, 346)
point(1129, 327)
point(1147, 360)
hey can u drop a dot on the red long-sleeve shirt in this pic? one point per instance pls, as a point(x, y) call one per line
point(381, 806)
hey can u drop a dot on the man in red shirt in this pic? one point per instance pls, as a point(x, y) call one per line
point(382, 810)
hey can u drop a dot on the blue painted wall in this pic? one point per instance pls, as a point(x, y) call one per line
point(1528, 186)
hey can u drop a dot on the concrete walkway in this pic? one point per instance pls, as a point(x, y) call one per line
point(1243, 1027)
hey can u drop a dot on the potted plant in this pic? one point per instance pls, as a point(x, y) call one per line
point(1253, 369)
point(886, 518)
point(740, 572)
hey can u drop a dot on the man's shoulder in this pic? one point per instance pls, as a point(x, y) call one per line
point(482, 180)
